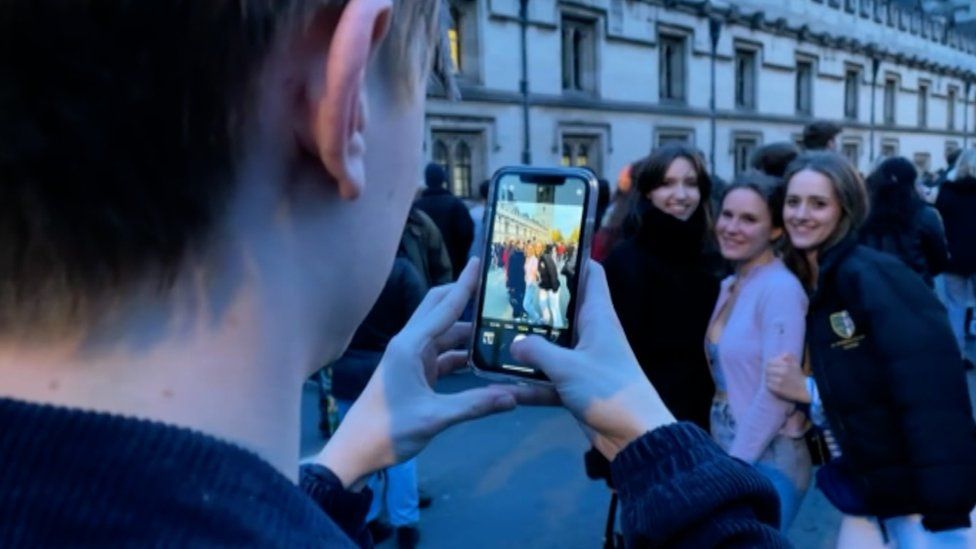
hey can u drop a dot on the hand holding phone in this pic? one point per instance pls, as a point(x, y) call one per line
point(599, 381)
point(539, 226)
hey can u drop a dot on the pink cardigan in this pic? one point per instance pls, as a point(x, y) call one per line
point(767, 320)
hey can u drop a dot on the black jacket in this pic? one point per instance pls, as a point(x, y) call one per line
point(957, 204)
point(452, 218)
point(919, 242)
point(424, 246)
point(664, 294)
point(548, 273)
point(402, 294)
point(893, 386)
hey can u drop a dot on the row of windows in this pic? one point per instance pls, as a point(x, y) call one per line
point(463, 153)
point(579, 75)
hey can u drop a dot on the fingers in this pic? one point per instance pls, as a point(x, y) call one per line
point(445, 313)
point(474, 403)
point(533, 395)
point(596, 293)
point(536, 351)
point(450, 362)
point(456, 337)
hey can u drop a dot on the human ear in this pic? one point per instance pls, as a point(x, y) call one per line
point(337, 113)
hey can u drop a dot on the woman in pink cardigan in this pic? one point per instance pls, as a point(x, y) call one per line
point(759, 315)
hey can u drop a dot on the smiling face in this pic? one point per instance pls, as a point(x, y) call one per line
point(679, 196)
point(745, 226)
point(812, 211)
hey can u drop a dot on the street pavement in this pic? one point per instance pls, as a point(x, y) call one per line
point(517, 480)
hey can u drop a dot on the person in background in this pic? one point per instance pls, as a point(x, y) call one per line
point(478, 218)
point(759, 315)
point(888, 384)
point(395, 488)
point(901, 223)
point(515, 278)
point(611, 230)
point(449, 214)
point(957, 204)
point(773, 158)
point(821, 136)
point(660, 279)
point(424, 246)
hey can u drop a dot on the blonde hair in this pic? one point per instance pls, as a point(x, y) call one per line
point(966, 164)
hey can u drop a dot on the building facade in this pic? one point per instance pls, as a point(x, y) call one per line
point(602, 82)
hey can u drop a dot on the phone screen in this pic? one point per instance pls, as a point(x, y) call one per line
point(535, 246)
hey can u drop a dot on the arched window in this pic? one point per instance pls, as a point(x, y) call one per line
point(440, 155)
point(582, 155)
point(462, 170)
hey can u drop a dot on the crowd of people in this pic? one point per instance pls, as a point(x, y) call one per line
point(802, 327)
point(158, 319)
point(533, 271)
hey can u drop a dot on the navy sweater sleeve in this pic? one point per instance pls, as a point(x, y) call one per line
point(679, 489)
point(346, 509)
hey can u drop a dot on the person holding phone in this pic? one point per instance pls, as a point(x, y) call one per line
point(154, 343)
point(662, 288)
point(888, 381)
point(759, 315)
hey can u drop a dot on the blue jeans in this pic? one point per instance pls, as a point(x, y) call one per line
point(785, 462)
point(394, 487)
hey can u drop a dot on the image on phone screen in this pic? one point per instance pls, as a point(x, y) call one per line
point(530, 267)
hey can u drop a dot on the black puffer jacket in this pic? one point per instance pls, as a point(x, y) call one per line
point(663, 292)
point(919, 242)
point(957, 204)
point(893, 386)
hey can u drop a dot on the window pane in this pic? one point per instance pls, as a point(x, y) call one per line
point(582, 155)
point(567, 159)
point(462, 169)
point(454, 36)
point(440, 154)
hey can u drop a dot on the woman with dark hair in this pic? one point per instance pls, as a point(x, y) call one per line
point(900, 223)
point(660, 281)
point(888, 381)
point(759, 315)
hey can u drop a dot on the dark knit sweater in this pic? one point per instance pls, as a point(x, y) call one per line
point(69, 477)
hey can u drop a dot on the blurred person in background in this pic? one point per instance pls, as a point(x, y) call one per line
point(957, 204)
point(449, 214)
point(901, 223)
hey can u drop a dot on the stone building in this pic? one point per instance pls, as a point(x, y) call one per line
point(602, 82)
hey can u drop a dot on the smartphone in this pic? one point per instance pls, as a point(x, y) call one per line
point(539, 225)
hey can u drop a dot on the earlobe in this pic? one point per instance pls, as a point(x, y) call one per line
point(338, 108)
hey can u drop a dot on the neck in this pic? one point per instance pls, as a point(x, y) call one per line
point(812, 261)
point(213, 358)
point(743, 268)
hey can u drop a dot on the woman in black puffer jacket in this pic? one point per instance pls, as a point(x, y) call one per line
point(888, 380)
point(661, 282)
point(957, 204)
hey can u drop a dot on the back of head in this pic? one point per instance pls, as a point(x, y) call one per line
point(894, 200)
point(952, 157)
point(122, 129)
point(846, 182)
point(434, 176)
point(818, 135)
point(772, 159)
point(966, 165)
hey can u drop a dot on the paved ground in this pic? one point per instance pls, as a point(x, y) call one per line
point(517, 481)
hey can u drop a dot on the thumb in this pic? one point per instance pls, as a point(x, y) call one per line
point(474, 403)
point(539, 353)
